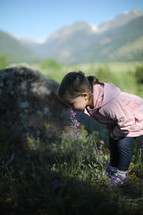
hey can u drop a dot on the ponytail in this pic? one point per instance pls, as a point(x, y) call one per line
point(92, 79)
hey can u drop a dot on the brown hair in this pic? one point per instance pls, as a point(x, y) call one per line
point(74, 84)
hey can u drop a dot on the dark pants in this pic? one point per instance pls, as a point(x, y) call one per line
point(120, 152)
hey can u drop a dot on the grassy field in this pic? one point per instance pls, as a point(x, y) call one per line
point(119, 73)
point(91, 68)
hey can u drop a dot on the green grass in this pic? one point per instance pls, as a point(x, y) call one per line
point(121, 74)
point(90, 68)
point(66, 176)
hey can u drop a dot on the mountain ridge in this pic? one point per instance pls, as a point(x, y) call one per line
point(117, 39)
point(79, 42)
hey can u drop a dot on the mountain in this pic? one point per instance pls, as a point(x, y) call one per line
point(118, 39)
point(15, 50)
point(118, 21)
point(68, 38)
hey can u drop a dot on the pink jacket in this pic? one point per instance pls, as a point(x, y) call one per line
point(119, 111)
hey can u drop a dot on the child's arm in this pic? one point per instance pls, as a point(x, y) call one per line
point(123, 121)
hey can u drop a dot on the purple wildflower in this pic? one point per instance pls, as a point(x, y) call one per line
point(101, 152)
point(101, 142)
point(74, 123)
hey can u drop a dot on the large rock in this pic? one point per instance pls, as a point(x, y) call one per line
point(29, 106)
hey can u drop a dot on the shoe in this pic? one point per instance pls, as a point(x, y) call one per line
point(109, 172)
point(118, 180)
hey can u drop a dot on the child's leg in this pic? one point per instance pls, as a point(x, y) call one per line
point(124, 153)
point(112, 167)
point(113, 152)
point(124, 158)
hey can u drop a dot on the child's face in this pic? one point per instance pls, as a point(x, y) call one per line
point(81, 102)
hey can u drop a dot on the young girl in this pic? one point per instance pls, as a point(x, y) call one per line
point(121, 112)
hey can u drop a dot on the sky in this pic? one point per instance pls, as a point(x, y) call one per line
point(38, 19)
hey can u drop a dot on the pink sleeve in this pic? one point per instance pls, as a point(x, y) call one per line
point(123, 119)
point(123, 126)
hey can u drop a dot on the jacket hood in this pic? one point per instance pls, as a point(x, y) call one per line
point(103, 93)
point(110, 92)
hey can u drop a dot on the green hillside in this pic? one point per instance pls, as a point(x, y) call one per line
point(119, 44)
point(126, 42)
point(14, 50)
